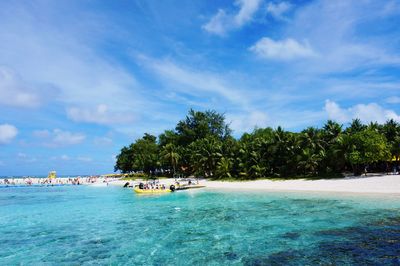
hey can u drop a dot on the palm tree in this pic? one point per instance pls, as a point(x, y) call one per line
point(355, 126)
point(311, 138)
point(224, 167)
point(391, 130)
point(170, 154)
point(332, 130)
point(284, 148)
point(206, 153)
point(309, 161)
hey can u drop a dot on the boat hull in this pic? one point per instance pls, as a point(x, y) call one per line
point(189, 187)
point(151, 191)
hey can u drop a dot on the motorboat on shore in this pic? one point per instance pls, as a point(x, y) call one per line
point(184, 187)
point(151, 191)
point(152, 188)
point(187, 184)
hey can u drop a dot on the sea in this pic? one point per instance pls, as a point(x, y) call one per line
point(86, 225)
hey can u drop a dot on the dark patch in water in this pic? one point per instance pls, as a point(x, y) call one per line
point(377, 243)
point(231, 255)
point(291, 235)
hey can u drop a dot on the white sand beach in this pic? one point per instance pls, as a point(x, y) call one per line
point(386, 184)
point(389, 184)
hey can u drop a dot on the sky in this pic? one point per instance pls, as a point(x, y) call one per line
point(79, 79)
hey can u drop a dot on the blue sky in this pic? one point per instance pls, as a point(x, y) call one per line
point(80, 79)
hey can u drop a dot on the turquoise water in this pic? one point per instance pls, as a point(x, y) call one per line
point(109, 225)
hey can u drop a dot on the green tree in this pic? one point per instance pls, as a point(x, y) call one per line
point(224, 168)
point(169, 136)
point(124, 160)
point(202, 144)
point(391, 130)
point(171, 155)
point(355, 126)
point(205, 154)
point(140, 156)
point(368, 147)
point(199, 125)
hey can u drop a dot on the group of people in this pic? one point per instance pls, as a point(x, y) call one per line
point(28, 181)
point(152, 185)
point(6, 181)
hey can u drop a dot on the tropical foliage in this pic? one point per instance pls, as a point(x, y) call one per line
point(202, 145)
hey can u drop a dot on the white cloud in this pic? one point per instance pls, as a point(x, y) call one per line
point(84, 159)
point(247, 122)
point(14, 92)
point(371, 112)
point(66, 62)
point(393, 100)
point(219, 23)
point(344, 44)
point(277, 10)
point(222, 21)
point(67, 138)
point(41, 133)
point(7, 133)
point(58, 137)
point(247, 10)
point(281, 50)
point(21, 155)
point(64, 157)
point(335, 112)
point(101, 114)
point(195, 82)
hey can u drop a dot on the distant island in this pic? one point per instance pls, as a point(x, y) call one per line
point(202, 145)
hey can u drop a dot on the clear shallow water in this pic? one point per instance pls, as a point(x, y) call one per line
point(89, 225)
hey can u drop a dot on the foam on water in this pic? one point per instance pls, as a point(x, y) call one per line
point(93, 225)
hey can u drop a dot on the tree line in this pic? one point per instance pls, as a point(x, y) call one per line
point(202, 145)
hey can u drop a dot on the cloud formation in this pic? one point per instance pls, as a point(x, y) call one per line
point(196, 82)
point(101, 114)
point(277, 10)
point(61, 59)
point(59, 138)
point(14, 92)
point(241, 123)
point(371, 112)
point(393, 100)
point(223, 22)
point(7, 133)
point(286, 49)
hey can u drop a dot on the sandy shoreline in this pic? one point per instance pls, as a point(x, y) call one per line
point(386, 184)
point(383, 184)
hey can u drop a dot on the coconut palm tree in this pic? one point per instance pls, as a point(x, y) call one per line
point(170, 154)
point(224, 167)
point(206, 153)
point(355, 126)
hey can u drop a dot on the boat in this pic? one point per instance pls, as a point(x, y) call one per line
point(184, 187)
point(190, 184)
point(142, 190)
point(151, 191)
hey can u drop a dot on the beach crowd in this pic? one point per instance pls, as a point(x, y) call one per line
point(31, 181)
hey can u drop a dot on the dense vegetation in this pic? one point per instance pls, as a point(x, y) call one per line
point(202, 145)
